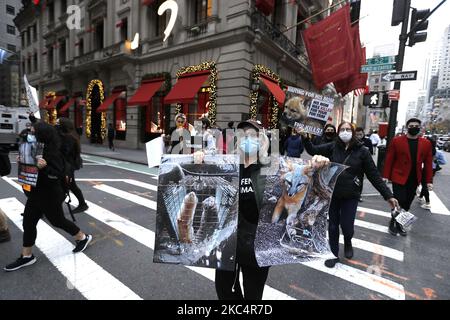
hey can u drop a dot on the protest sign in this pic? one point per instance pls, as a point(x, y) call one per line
point(32, 97)
point(306, 111)
point(197, 211)
point(292, 224)
point(29, 153)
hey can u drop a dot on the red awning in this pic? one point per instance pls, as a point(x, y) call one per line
point(265, 6)
point(277, 92)
point(187, 87)
point(68, 105)
point(55, 102)
point(108, 101)
point(145, 92)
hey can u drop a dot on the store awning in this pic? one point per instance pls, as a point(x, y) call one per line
point(54, 102)
point(146, 92)
point(108, 101)
point(68, 105)
point(187, 87)
point(274, 88)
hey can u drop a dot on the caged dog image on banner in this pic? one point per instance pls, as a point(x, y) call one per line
point(197, 211)
point(292, 225)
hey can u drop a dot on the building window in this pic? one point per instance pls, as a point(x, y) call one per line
point(50, 59)
point(10, 10)
point(124, 29)
point(35, 62)
point(80, 47)
point(62, 51)
point(51, 12)
point(203, 10)
point(98, 37)
point(63, 7)
point(10, 29)
point(29, 35)
point(11, 47)
point(22, 36)
point(120, 118)
point(35, 33)
point(29, 64)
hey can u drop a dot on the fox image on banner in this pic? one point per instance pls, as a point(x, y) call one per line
point(29, 153)
point(197, 211)
point(305, 110)
point(292, 225)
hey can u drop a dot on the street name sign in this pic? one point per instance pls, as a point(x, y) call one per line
point(401, 76)
point(377, 67)
point(381, 60)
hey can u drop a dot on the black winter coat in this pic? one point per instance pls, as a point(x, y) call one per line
point(359, 162)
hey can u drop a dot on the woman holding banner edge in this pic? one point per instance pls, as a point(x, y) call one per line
point(348, 151)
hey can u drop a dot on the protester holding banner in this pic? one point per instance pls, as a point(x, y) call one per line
point(71, 149)
point(328, 136)
point(47, 198)
point(349, 151)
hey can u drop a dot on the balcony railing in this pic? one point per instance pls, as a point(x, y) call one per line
point(262, 24)
point(197, 29)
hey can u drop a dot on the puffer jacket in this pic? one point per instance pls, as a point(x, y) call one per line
point(359, 162)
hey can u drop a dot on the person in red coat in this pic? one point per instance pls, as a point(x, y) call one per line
point(406, 157)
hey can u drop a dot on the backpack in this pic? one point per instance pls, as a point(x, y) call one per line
point(5, 164)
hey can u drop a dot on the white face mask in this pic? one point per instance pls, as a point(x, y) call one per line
point(345, 136)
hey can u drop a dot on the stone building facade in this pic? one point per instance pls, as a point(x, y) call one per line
point(235, 34)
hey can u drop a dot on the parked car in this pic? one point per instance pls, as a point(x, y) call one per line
point(447, 146)
point(441, 141)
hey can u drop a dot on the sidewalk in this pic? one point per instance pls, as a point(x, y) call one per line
point(130, 155)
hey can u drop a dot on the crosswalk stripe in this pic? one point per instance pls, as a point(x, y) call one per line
point(141, 184)
point(437, 206)
point(364, 279)
point(127, 196)
point(371, 226)
point(147, 238)
point(376, 248)
point(82, 273)
point(374, 212)
point(113, 165)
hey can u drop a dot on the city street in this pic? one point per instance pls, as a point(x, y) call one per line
point(119, 263)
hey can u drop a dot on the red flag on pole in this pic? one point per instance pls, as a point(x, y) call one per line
point(330, 48)
point(357, 79)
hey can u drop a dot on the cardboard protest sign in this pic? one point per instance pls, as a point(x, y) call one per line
point(305, 110)
point(29, 153)
point(196, 218)
point(292, 225)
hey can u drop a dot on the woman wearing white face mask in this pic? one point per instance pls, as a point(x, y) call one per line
point(349, 151)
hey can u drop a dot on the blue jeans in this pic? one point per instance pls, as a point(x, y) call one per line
point(342, 213)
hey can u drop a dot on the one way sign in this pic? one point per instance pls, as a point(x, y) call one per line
point(401, 76)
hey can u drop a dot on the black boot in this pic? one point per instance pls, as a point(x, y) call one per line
point(330, 263)
point(400, 229)
point(81, 208)
point(348, 249)
point(393, 227)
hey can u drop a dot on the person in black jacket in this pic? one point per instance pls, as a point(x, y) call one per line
point(293, 146)
point(47, 198)
point(329, 135)
point(363, 139)
point(349, 151)
point(71, 149)
point(5, 169)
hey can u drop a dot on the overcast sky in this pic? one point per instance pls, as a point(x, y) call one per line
point(376, 32)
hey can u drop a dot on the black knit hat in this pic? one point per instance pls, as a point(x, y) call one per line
point(413, 120)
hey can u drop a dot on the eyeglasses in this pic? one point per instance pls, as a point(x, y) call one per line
point(345, 129)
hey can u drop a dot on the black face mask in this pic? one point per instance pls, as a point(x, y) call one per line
point(329, 134)
point(413, 131)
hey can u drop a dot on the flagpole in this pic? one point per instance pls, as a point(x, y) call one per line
point(314, 15)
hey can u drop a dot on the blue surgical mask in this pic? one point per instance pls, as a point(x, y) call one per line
point(31, 138)
point(249, 145)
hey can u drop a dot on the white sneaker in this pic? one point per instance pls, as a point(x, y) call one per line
point(421, 200)
point(426, 206)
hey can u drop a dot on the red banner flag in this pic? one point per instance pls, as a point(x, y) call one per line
point(357, 79)
point(330, 48)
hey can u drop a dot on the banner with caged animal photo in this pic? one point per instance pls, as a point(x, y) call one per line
point(305, 110)
point(197, 211)
point(292, 225)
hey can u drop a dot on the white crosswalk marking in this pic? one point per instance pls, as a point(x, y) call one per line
point(127, 196)
point(147, 238)
point(344, 272)
point(437, 206)
point(91, 280)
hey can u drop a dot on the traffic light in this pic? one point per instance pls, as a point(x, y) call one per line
point(398, 12)
point(418, 23)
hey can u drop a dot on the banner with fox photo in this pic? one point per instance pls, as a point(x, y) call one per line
point(306, 110)
point(29, 153)
point(292, 225)
point(197, 211)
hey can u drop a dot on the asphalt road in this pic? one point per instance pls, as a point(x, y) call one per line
point(119, 264)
